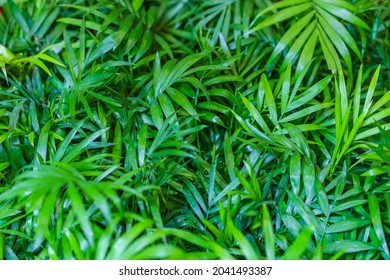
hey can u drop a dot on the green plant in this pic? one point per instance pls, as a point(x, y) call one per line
point(241, 129)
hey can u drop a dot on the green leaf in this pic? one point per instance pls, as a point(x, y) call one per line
point(137, 4)
point(156, 114)
point(108, 44)
point(375, 213)
point(322, 198)
point(195, 201)
point(309, 179)
point(229, 157)
point(19, 17)
point(182, 101)
point(83, 145)
point(269, 98)
point(43, 56)
point(342, 36)
point(82, 215)
point(42, 141)
point(121, 244)
point(347, 225)
point(305, 212)
point(64, 144)
point(371, 89)
point(296, 249)
point(344, 14)
point(295, 172)
point(298, 44)
point(1, 246)
point(283, 15)
point(292, 33)
point(348, 204)
point(181, 67)
point(307, 52)
point(246, 248)
point(348, 246)
point(306, 111)
point(146, 42)
point(268, 233)
point(95, 79)
point(142, 144)
point(309, 94)
point(255, 113)
point(78, 22)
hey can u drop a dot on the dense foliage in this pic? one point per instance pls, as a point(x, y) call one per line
point(188, 129)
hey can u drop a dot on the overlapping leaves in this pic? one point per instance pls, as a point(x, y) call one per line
point(321, 22)
point(169, 137)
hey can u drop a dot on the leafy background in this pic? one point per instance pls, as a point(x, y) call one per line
point(240, 129)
